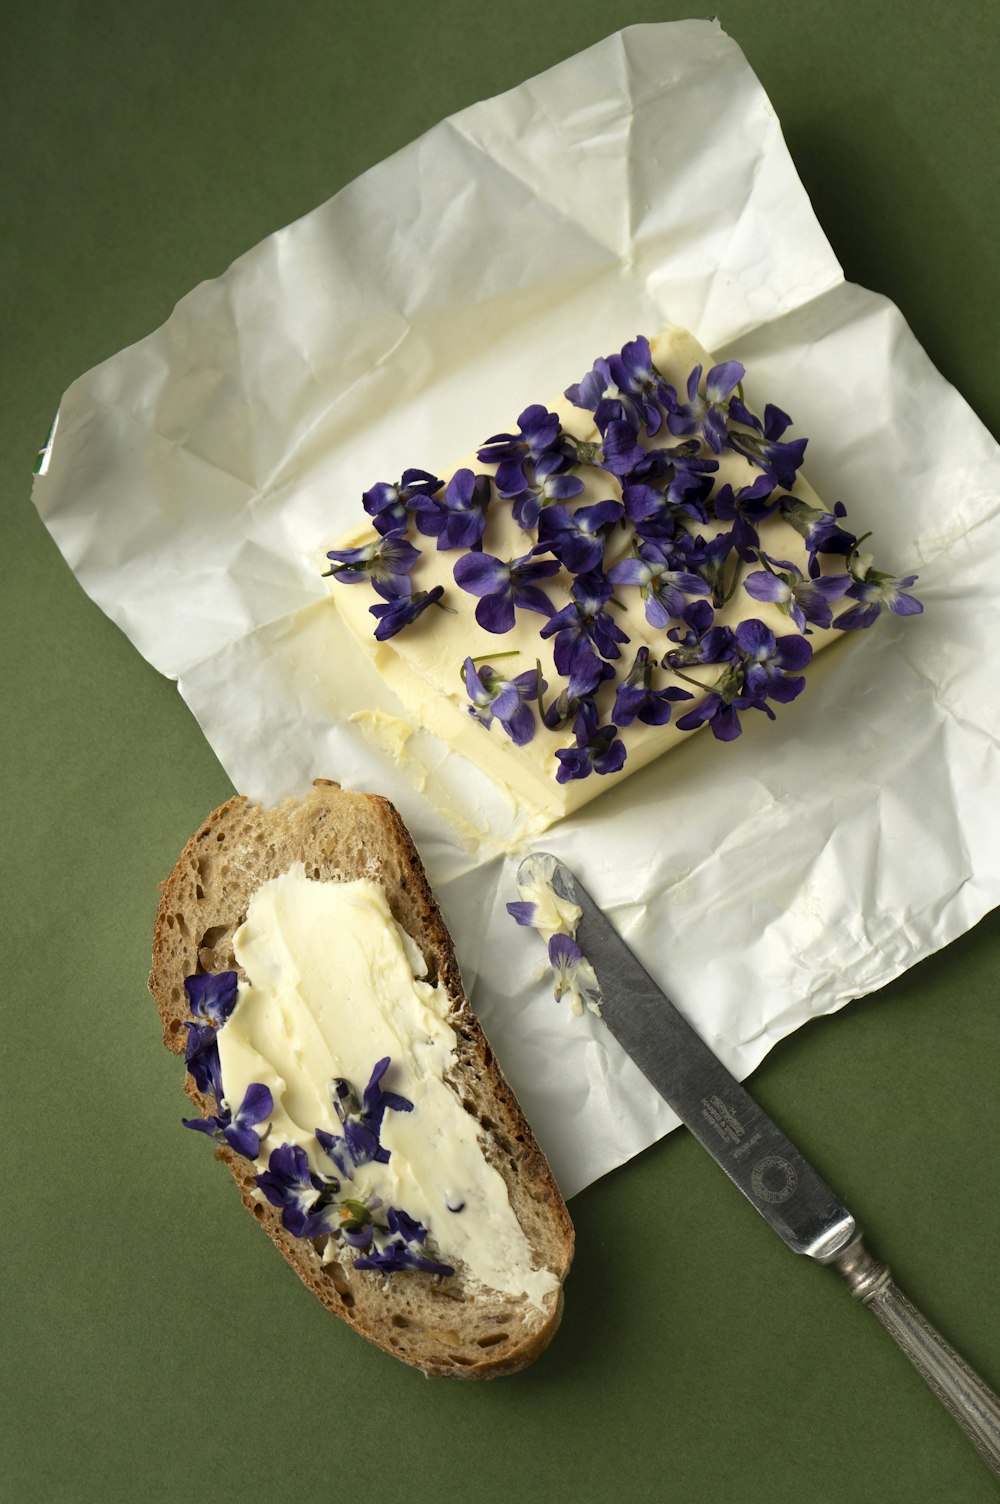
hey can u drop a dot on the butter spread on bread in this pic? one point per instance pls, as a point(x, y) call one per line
point(511, 1244)
point(334, 983)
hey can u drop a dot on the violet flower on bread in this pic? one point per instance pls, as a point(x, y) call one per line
point(239, 1129)
point(303, 1197)
point(399, 1252)
point(212, 995)
point(575, 977)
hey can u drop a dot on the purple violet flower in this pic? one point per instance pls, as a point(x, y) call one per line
point(501, 587)
point(305, 1199)
point(821, 531)
point(662, 587)
point(386, 561)
point(394, 615)
point(707, 416)
point(388, 506)
point(667, 483)
point(459, 517)
point(624, 388)
point(763, 667)
point(201, 1056)
point(575, 977)
point(593, 388)
point(637, 700)
point(772, 665)
point(874, 592)
point(746, 508)
point(212, 996)
point(621, 451)
point(531, 488)
point(794, 594)
point(238, 1129)
point(400, 1252)
point(710, 559)
point(703, 642)
point(642, 390)
point(362, 1121)
point(538, 433)
point(505, 700)
point(780, 461)
point(577, 538)
point(597, 750)
point(580, 628)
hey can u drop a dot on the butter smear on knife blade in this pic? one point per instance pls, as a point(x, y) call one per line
point(637, 560)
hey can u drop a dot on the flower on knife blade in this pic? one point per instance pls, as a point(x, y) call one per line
point(575, 978)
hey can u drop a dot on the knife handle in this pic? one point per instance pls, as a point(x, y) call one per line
point(962, 1392)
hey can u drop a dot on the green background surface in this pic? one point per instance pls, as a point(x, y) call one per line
point(157, 1348)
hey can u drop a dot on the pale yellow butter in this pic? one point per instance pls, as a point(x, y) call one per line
point(422, 663)
point(334, 985)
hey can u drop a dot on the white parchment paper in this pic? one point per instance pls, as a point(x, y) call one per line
point(190, 479)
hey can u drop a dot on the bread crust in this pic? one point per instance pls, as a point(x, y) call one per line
point(445, 1327)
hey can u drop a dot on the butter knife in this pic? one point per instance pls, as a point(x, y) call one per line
point(764, 1164)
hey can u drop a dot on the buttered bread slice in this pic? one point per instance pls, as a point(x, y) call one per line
point(302, 968)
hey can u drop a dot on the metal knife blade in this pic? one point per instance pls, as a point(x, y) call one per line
point(738, 1134)
point(766, 1166)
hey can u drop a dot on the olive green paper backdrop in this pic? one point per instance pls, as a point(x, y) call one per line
point(157, 1347)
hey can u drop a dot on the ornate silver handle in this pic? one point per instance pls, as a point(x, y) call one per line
point(962, 1392)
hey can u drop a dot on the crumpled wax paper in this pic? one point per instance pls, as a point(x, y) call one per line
point(191, 479)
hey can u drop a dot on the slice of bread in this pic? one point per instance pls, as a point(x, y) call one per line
point(442, 1325)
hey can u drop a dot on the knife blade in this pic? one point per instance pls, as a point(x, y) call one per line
point(765, 1165)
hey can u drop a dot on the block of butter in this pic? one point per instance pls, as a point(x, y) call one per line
point(712, 541)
